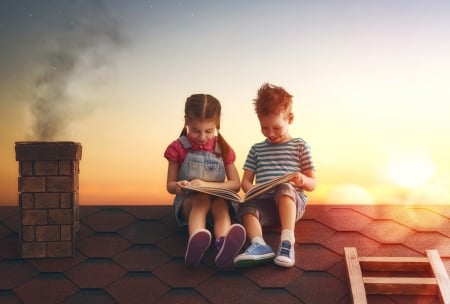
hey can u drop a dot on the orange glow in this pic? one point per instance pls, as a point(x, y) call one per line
point(410, 169)
point(371, 100)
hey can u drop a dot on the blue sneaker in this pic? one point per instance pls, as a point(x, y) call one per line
point(285, 255)
point(255, 254)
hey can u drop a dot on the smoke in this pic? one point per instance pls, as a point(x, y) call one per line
point(82, 42)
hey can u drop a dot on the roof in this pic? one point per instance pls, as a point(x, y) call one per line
point(135, 254)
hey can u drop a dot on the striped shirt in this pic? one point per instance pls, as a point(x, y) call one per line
point(272, 160)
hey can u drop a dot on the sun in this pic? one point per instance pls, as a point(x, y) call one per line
point(411, 168)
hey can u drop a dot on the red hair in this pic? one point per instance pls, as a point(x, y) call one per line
point(272, 99)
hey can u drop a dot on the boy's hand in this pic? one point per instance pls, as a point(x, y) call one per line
point(299, 180)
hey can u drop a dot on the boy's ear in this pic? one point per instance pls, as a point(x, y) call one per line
point(290, 117)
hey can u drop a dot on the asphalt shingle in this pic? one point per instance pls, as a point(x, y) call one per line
point(135, 254)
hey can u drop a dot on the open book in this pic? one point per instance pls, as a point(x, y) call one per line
point(251, 194)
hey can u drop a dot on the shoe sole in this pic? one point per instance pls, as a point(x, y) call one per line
point(284, 263)
point(242, 263)
point(197, 245)
point(234, 240)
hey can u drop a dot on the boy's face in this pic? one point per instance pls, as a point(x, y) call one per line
point(201, 131)
point(275, 127)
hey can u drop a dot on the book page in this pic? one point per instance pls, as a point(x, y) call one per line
point(251, 194)
point(265, 187)
point(220, 192)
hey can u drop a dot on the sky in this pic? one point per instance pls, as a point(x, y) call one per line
point(370, 80)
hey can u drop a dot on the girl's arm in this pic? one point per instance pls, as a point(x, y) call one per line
point(173, 186)
point(232, 182)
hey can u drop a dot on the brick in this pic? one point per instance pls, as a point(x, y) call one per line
point(32, 184)
point(66, 233)
point(46, 200)
point(34, 249)
point(76, 167)
point(26, 200)
point(67, 167)
point(34, 217)
point(26, 168)
point(61, 216)
point(60, 249)
point(28, 233)
point(48, 233)
point(62, 183)
point(76, 198)
point(42, 167)
point(64, 150)
point(66, 199)
point(76, 212)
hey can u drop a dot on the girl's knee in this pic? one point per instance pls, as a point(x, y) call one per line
point(219, 206)
point(201, 202)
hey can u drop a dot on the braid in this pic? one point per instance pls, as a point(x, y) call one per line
point(183, 132)
point(205, 106)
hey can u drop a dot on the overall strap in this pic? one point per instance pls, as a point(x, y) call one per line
point(185, 142)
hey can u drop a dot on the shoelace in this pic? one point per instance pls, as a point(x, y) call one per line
point(285, 248)
point(251, 247)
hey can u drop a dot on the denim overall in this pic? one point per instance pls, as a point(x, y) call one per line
point(204, 165)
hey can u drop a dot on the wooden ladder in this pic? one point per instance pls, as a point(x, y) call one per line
point(423, 276)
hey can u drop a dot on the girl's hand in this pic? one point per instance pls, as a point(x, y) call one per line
point(197, 182)
point(179, 184)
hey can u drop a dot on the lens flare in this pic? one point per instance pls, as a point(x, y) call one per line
point(411, 168)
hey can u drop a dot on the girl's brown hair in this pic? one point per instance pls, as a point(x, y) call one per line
point(205, 107)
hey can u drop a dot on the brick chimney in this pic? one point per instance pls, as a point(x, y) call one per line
point(48, 198)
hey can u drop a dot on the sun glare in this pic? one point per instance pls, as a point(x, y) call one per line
point(348, 194)
point(411, 168)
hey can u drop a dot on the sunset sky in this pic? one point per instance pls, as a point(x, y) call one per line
point(370, 79)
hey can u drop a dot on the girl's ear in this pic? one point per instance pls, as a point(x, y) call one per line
point(290, 117)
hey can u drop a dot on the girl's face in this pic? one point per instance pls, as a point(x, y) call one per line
point(201, 131)
point(275, 127)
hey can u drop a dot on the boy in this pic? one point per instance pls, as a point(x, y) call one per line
point(278, 154)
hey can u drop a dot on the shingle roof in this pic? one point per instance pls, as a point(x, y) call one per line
point(135, 254)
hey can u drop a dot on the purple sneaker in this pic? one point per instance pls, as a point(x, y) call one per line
point(197, 245)
point(232, 244)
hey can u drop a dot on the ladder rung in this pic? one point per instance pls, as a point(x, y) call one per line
point(397, 264)
point(403, 285)
point(425, 276)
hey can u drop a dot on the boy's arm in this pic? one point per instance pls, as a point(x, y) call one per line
point(247, 180)
point(306, 180)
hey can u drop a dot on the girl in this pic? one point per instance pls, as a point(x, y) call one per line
point(202, 158)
